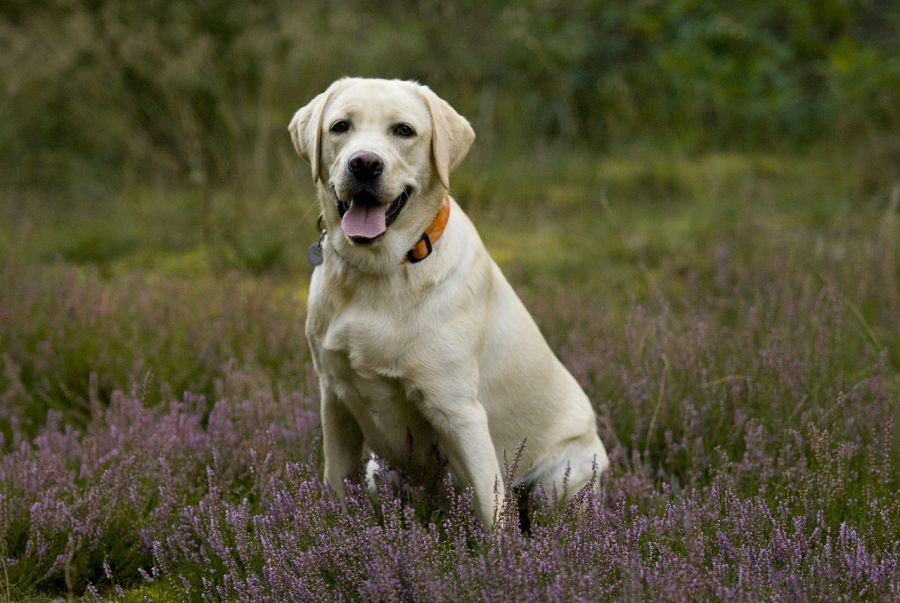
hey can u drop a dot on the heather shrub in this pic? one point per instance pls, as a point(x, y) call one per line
point(69, 337)
point(750, 421)
point(641, 542)
point(733, 318)
point(80, 505)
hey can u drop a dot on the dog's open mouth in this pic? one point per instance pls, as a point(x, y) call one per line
point(364, 219)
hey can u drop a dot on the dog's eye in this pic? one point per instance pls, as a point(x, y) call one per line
point(339, 127)
point(403, 130)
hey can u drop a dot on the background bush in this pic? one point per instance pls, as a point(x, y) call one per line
point(201, 92)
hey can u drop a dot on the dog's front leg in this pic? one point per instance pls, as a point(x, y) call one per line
point(342, 442)
point(462, 428)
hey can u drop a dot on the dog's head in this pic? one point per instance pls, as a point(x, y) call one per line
point(381, 152)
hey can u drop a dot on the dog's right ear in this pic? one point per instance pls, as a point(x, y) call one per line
point(306, 131)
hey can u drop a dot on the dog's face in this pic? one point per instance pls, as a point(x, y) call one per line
point(381, 152)
point(376, 154)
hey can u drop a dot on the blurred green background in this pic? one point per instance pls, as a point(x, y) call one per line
point(624, 149)
point(99, 94)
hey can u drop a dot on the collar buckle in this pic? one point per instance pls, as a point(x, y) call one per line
point(425, 245)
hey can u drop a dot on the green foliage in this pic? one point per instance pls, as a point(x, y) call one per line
point(201, 92)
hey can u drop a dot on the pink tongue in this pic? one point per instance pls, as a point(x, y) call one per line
point(364, 220)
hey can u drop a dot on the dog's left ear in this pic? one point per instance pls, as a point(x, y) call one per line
point(451, 135)
point(306, 131)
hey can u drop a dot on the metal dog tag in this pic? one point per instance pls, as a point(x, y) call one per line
point(314, 254)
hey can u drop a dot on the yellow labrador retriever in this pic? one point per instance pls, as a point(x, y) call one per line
point(422, 348)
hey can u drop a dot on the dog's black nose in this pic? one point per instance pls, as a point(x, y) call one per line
point(365, 166)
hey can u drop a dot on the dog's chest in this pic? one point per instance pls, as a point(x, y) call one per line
point(366, 362)
point(371, 343)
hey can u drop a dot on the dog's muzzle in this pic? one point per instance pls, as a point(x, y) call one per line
point(364, 219)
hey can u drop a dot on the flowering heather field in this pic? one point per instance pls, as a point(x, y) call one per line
point(159, 431)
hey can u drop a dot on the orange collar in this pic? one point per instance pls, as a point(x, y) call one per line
point(423, 248)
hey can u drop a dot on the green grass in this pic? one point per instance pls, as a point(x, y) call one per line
point(630, 228)
point(619, 222)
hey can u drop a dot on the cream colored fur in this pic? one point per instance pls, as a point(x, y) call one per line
point(437, 355)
